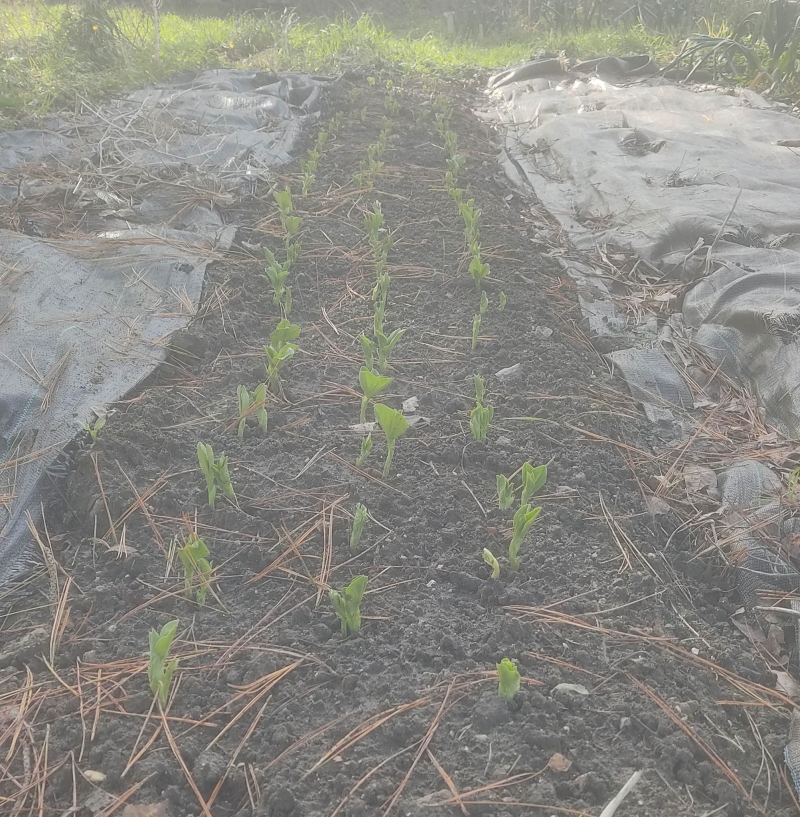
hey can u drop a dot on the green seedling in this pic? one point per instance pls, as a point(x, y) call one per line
point(370, 384)
point(794, 481)
point(308, 180)
point(451, 143)
point(478, 271)
point(471, 216)
point(160, 670)
point(507, 679)
point(481, 416)
point(95, 428)
point(336, 123)
point(277, 274)
point(216, 473)
point(454, 164)
point(386, 344)
point(394, 425)
point(322, 137)
point(532, 480)
point(480, 389)
point(292, 225)
point(279, 351)
point(252, 403)
point(347, 604)
point(490, 560)
point(366, 450)
point(503, 301)
point(480, 419)
point(368, 348)
point(194, 557)
point(523, 521)
point(476, 328)
point(359, 520)
point(283, 198)
point(380, 292)
point(505, 492)
point(377, 319)
point(484, 305)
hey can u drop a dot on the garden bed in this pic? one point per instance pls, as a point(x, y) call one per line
point(272, 711)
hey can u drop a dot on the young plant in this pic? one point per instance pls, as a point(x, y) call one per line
point(532, 480)
point(370, 384)
point(471, 216)
point(359, 520)
point(478, 271)
point(368, 348)
point(490, 560)
point(505, 492)
point(386, 344)
point(160, 670)
point(523, 520)
point(283, 198)
point(481, 416)
point(95, 428)
point(503, 301)
point(194, 557)
point(366, 450)
point(394, 425)
point(347, 604)
point(484, 305)
point(507, 679)
point(476, 328)
point(216, 473)
point(308, 180)
point(252, 403)
point(280, 350)
point(277, 274)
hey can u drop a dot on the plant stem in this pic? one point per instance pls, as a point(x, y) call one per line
point(389, 454)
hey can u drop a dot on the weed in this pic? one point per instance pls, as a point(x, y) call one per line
point(279, 351)
point(216, 473)
point(532, 480)
point(252, 403)
point(347, 604)
point(523, 520)
point(359, 520)
point(481, 416)
point(366, 450)
point(505, 492)
point(507, 679)
point(394, 425)
point(386, 344)
point(490, 560)
point(160, 670)
point(95, 427)
point(194, 557)
point(371, 384)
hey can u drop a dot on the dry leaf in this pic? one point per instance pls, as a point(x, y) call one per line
point(146, 810)
point(558, 763)
point(786, 684)
point(656, 505)
point(410, 405)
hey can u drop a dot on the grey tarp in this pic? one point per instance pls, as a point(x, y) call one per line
point(699, 182)
point(84, 317)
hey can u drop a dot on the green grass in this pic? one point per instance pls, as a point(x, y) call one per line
point(50, 55)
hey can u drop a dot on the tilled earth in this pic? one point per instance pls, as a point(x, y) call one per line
point(628, 659)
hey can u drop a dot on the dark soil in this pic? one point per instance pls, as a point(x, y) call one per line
point(267, 686)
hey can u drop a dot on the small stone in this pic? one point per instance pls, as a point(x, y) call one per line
point(509, 374)
point(503, 441)
point(542, 332)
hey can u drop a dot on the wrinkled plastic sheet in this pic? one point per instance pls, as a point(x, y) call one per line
point(84, 318)
point(700, 182)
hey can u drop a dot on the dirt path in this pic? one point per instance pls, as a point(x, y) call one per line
point(273, 712)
